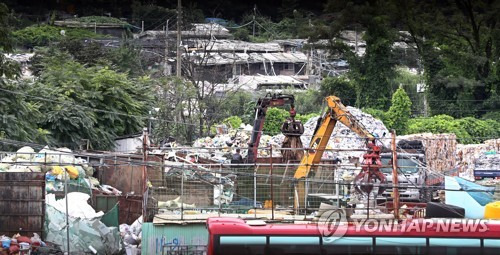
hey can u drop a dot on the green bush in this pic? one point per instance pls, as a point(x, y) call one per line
point(493, 115)
point(233, 121)
point(310, 101)
point(400, 111)
point(376, 113)
point(42, 35)
point(468, 130)
point(274, 119)
point(99, 20)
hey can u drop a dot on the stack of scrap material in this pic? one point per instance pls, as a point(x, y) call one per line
point(440, 149)
point(470, 156)
point(342, 138)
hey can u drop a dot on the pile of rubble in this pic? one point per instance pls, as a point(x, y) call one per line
point(342, 139)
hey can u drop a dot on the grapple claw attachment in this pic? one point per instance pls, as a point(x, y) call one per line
point(370, 172)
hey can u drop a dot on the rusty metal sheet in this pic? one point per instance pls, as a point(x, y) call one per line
point(125, 173)
point(129, 207)
point(22, 203)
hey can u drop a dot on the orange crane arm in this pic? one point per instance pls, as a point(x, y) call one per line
point(336, 112)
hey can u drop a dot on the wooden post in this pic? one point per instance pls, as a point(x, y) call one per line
point(395, 182)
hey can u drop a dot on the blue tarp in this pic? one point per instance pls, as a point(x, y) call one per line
point(483, 195)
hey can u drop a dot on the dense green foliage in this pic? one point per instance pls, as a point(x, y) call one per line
point(468, 130)
point(42, 35)
point(276, 116)
point(92, 103)
point(99, 20)
point(274, 120)
point(340, 87)
point(400, 111)
point(233, 121)
point(18, 116)
point(176, 116)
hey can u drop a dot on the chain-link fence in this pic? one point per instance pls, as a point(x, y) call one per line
point(191, 189)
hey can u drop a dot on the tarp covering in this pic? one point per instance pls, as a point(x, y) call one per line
point(483, 195)
point(87, 232)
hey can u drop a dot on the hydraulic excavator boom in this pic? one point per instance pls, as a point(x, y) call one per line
point(290, 127)
point(336, 111)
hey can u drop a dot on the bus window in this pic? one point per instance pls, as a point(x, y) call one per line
point(242, 245)
point(348, 245)
point(454, 246)
point(294, 245)
point(491, 246)
point(400, 245)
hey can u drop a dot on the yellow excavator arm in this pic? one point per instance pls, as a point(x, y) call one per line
point(336, 112)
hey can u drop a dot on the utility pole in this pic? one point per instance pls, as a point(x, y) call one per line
point(395, 180)
point(179, 52)
point(254, 10)
point(167, 66)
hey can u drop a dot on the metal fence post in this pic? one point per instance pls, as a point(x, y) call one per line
point(182, 193)
point(255, 189)
point(272, 188)
point(221, 189)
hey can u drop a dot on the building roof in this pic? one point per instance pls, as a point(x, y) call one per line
point(233, 46)
point(254, 82)
point(197, 30)
point(217, 58)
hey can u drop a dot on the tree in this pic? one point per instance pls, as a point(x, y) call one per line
point(18, 116)
point(373, 71)
point(400, 111)
point(199, 68)
point(458, 45)
point(176, 117)
point(340, 87)
point(89, 103)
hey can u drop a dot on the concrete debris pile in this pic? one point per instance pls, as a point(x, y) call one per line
point(87, 233)
point(342, 138)
point(439, 149)
point(483, 156)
